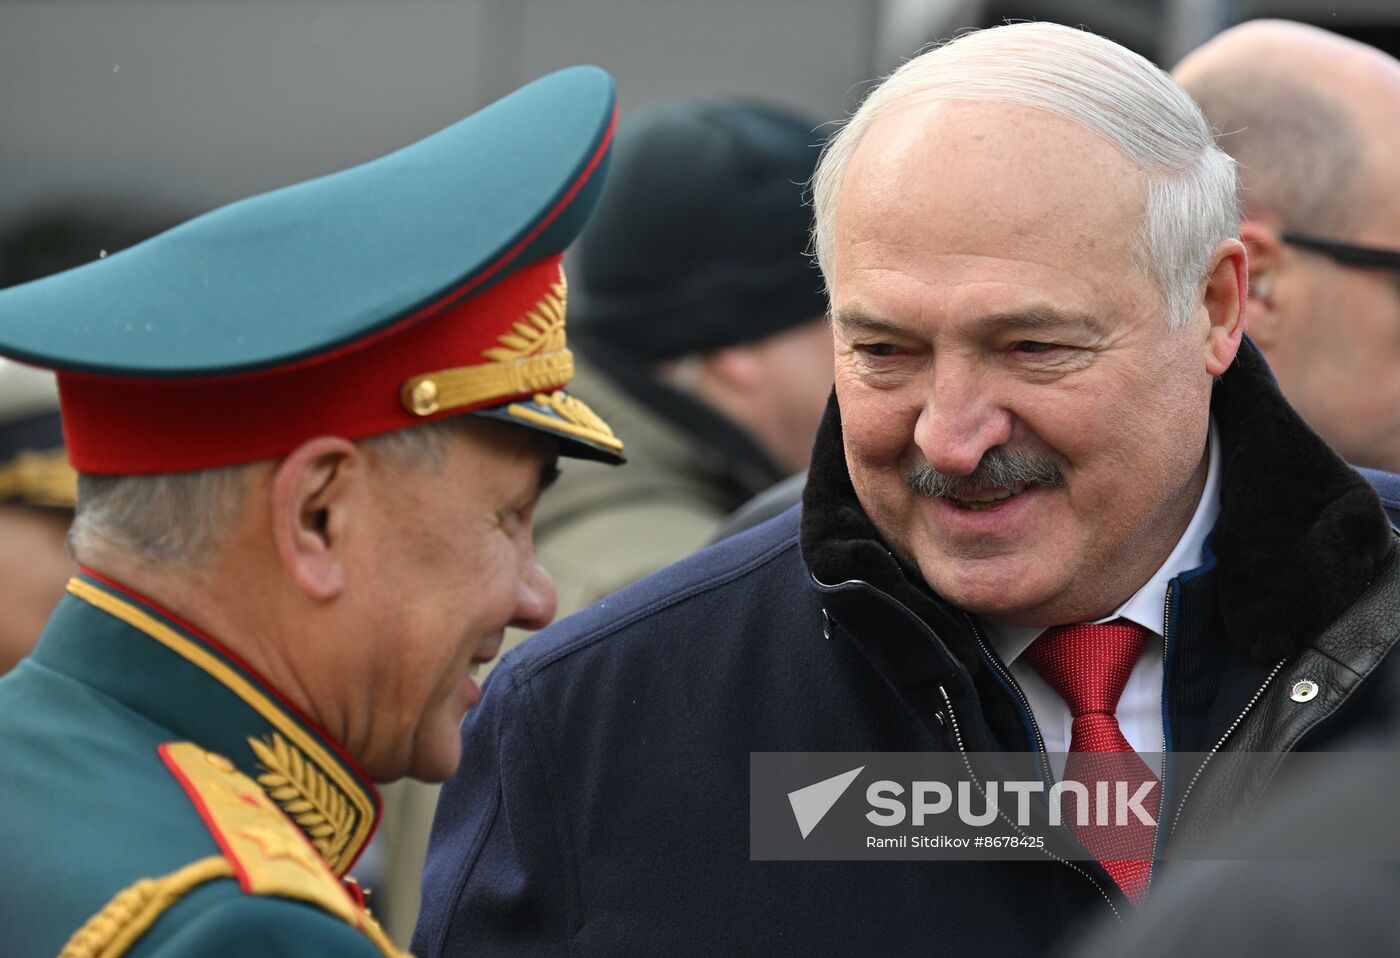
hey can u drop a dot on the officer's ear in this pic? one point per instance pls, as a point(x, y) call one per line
point(312, 490)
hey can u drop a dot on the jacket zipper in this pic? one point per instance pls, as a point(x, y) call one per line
point(957, 734)
point(1001, 670)
point(962, 749)
point(1249, 706)
point(1166, 724)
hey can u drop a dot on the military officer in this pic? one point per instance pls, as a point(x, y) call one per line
point(37, 488)
point(294, 543)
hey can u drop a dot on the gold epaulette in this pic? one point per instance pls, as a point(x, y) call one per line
point(263, 850)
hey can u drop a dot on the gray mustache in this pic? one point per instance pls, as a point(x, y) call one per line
point(999, 467)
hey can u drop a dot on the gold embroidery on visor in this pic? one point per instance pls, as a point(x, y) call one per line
point(530, 357)
point(571, 416)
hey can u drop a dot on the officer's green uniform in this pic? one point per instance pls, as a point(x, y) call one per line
point(111, 835)
point(156, 797)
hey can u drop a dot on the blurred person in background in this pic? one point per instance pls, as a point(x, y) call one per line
point(1310, 117)
point(701, 332)
point(37, 485)
point(37, 490)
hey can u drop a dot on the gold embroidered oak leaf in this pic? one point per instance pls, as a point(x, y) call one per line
point(540, 330)
point(306, 796)
point(573, 411)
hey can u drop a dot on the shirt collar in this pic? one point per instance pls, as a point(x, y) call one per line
point(1148, 606)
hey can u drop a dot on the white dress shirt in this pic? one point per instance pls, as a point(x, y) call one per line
point(1140, 707)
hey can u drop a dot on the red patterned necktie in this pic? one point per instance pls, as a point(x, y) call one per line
point(1089, 665)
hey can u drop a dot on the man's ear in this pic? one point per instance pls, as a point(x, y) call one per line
point(1224, 304)
point(1265, 260)
point(738, 367)
point(313, 496)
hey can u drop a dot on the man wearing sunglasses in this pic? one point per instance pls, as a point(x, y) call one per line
point(1310, 118)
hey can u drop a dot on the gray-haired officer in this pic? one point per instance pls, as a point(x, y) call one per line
point(311, 429)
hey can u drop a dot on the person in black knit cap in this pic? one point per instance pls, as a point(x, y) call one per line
point(701, 324)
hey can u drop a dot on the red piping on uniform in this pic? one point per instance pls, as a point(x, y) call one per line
point(267, 686)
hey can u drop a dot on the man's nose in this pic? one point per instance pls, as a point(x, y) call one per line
point(536, 600)
point(960, 421)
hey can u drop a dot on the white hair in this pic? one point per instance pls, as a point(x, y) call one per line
point(183, 516)
point(1190, 200)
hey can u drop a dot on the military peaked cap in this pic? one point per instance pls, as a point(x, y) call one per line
point(424, 284)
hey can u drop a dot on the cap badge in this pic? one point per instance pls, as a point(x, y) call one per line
point(530, 357)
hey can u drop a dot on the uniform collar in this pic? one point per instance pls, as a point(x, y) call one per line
point(165, 669)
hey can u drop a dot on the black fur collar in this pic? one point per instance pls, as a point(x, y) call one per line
point(1300, 534)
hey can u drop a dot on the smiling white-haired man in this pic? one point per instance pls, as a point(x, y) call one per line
point(1057, 505)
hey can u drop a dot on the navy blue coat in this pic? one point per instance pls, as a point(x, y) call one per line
point(602, 807)
point(1387, 486)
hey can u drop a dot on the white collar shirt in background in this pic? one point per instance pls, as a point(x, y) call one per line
point(1140, 707)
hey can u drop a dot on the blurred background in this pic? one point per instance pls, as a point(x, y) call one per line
point(122, 117)
point(119, 118)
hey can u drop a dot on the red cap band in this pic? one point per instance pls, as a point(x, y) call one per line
point(122, 426)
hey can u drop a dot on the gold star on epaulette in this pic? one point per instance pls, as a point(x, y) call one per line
point(283, 845)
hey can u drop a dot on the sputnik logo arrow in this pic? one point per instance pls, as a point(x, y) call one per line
point(811, 803)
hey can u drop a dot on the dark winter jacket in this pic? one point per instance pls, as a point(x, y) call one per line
point(603, 807)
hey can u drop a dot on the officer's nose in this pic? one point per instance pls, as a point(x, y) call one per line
point(535, 598)
point(960, 420)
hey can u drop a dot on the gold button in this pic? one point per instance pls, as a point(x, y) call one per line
point(219, 762)
point(423, 398)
